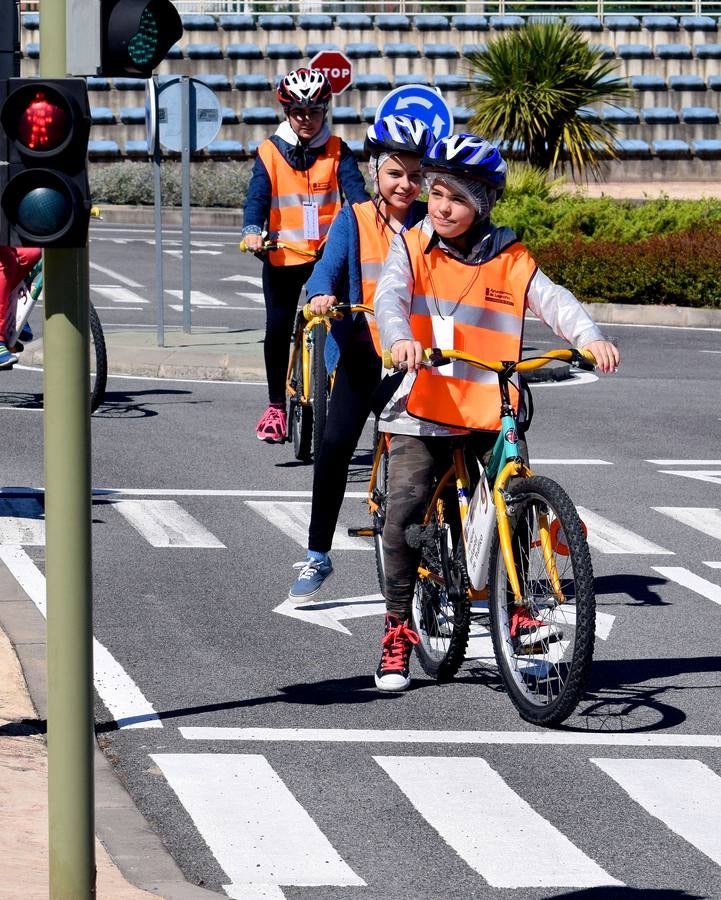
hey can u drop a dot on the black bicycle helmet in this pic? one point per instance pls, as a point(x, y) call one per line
point(304, 87)
point(467, 156)
point(398, 134)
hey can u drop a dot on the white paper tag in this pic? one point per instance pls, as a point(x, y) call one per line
point(310, 221)
point(443, 339)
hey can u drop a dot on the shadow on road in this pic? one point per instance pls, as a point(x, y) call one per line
point(637, 587)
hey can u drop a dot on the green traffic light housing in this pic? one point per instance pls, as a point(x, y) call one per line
point(135, 35)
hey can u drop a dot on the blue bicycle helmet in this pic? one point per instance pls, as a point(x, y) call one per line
point(467, 156)
point(398, 134)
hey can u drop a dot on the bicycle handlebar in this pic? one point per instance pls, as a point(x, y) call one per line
point(335, 312)
point(277, 245)
point(434, 356)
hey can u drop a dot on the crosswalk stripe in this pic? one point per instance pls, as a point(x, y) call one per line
point(293, 520)
point(256, 298)
point(712, 476)
point(606, 536)
point(116, 276)
point(683, 793)
point(256, 829)
point(485, 822)
point(699, 585)
point(117, 294)
point(22, 522)
point(251, 279)
point(197, 298)
point(164, 523)
point(702, 518)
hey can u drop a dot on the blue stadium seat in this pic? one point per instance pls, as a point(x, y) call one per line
point(368, 113)
point(215, 82)
point(506, 23)
point(585, 23)
point(234, 22)
point(375, 82)
point(647, 83)
point(192, 22)
point(440, 51)
point(671, 149)
point(175, 52)
point(620, 115)
point(473, 49)
point(708, 51)
point(461, 114)
point(283, 51)
point(32, 50)
point(31, 21)
point(345, 115)
point(362, 50)
point(356, 147)
point(635, 51)
point(315, 22)
point(131, 84)
point(714, 82)
point(401, 51)
point(225, 148)
point(393, 22)
point(132, 115)
point(412, 78)
point(632, 148)
point(260, 115)
point(96, 83)
point(102, 115)
point(468, 22)
point(204, 51)
point(673, 51)
point(660, 23)
point(431, 22)
point(253, 147)
point(136, 148)
point(589, 114)
point(452, 82)
point(103, 148)
point(622, 23)
point(699, 115)
point(228, 116)
point(603, 50)
point(706, 148)
point(243, 51)
point(686, 83)
point(698, 23)
point(349, 21)
point(312, 49)
point(252, 83)
point(659, 115)
point(275, 22)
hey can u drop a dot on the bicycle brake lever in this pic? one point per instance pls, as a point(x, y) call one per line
point(579, 361)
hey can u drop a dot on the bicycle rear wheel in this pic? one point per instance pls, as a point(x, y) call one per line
point(441, 608)
point(318, 386)
point(98, 361)
point(545, 647)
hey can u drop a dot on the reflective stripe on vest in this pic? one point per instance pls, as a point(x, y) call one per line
point(375, 237)
point(482, 307)
point(290, 189)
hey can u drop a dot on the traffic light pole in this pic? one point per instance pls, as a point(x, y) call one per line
point(68, 547)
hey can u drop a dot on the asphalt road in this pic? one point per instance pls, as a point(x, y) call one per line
point(484, 806)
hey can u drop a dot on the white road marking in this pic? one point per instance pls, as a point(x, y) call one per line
point(570, 462)
point(685, 462)
point(500, 738)
point(293, 520)
point(22, 521)
point(251, 279)
point(178, 253)
point(256, 298)
point(115, 308)
point(706, 519)
point(687, 579)
point(609, 537)
point(330, 613)
point(116, 276)
point(120, 694)
point(485, 822)
point(575, 380)
point(683, 793)
point(117, 294)
point(197, 298)
point(255, 828)
point(713, 476)
point(163, 523)
point(713, 565)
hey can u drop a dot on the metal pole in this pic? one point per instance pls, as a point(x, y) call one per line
point(68, 552)
point(185, 119)
point(159, 293)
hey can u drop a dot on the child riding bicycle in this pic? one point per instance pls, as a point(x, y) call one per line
point(299, 178)
point(15, 264)
point(455, 281)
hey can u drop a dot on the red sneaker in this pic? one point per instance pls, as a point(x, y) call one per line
point(528, 631)
point(273, 426)
point(393, 672)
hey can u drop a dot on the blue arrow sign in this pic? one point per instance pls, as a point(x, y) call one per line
point(421, 101)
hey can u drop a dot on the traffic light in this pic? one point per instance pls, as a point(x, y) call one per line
point(45, 200)
point(135, 35)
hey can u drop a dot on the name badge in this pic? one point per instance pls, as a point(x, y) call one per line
point(310, 221)
point(443, 339)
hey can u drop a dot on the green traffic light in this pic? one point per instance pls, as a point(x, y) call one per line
point(144, 45)
point(44, 211)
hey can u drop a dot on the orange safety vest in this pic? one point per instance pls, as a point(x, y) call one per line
point(475, 308)
point(290, 189)
point(375, 238)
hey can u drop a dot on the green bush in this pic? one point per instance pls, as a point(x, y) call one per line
point(222, 184)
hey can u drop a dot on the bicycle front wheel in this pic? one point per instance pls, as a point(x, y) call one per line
point(379, 493)
point(98, 361)
point(543, 647)
point(318, 386)
point(300, 415)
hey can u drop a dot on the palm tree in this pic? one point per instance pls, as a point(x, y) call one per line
point(530, 88)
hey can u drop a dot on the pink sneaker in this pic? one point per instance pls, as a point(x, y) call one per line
point(273, 426)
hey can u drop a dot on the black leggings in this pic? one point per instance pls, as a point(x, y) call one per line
point(281, 286)
point(356, 380)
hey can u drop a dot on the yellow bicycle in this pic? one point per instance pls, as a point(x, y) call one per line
point(505, 544)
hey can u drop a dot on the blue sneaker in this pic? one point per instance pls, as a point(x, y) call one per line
point(7, 359)
point(313, 572)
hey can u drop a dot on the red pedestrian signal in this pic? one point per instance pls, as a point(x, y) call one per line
point(135, 35)
point(45, 197)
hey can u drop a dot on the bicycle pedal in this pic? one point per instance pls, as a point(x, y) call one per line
point(368, 531)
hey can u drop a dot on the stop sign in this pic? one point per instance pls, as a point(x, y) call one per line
point(336, 67)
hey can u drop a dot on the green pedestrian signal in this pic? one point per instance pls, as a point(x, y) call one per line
point(135, 35)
